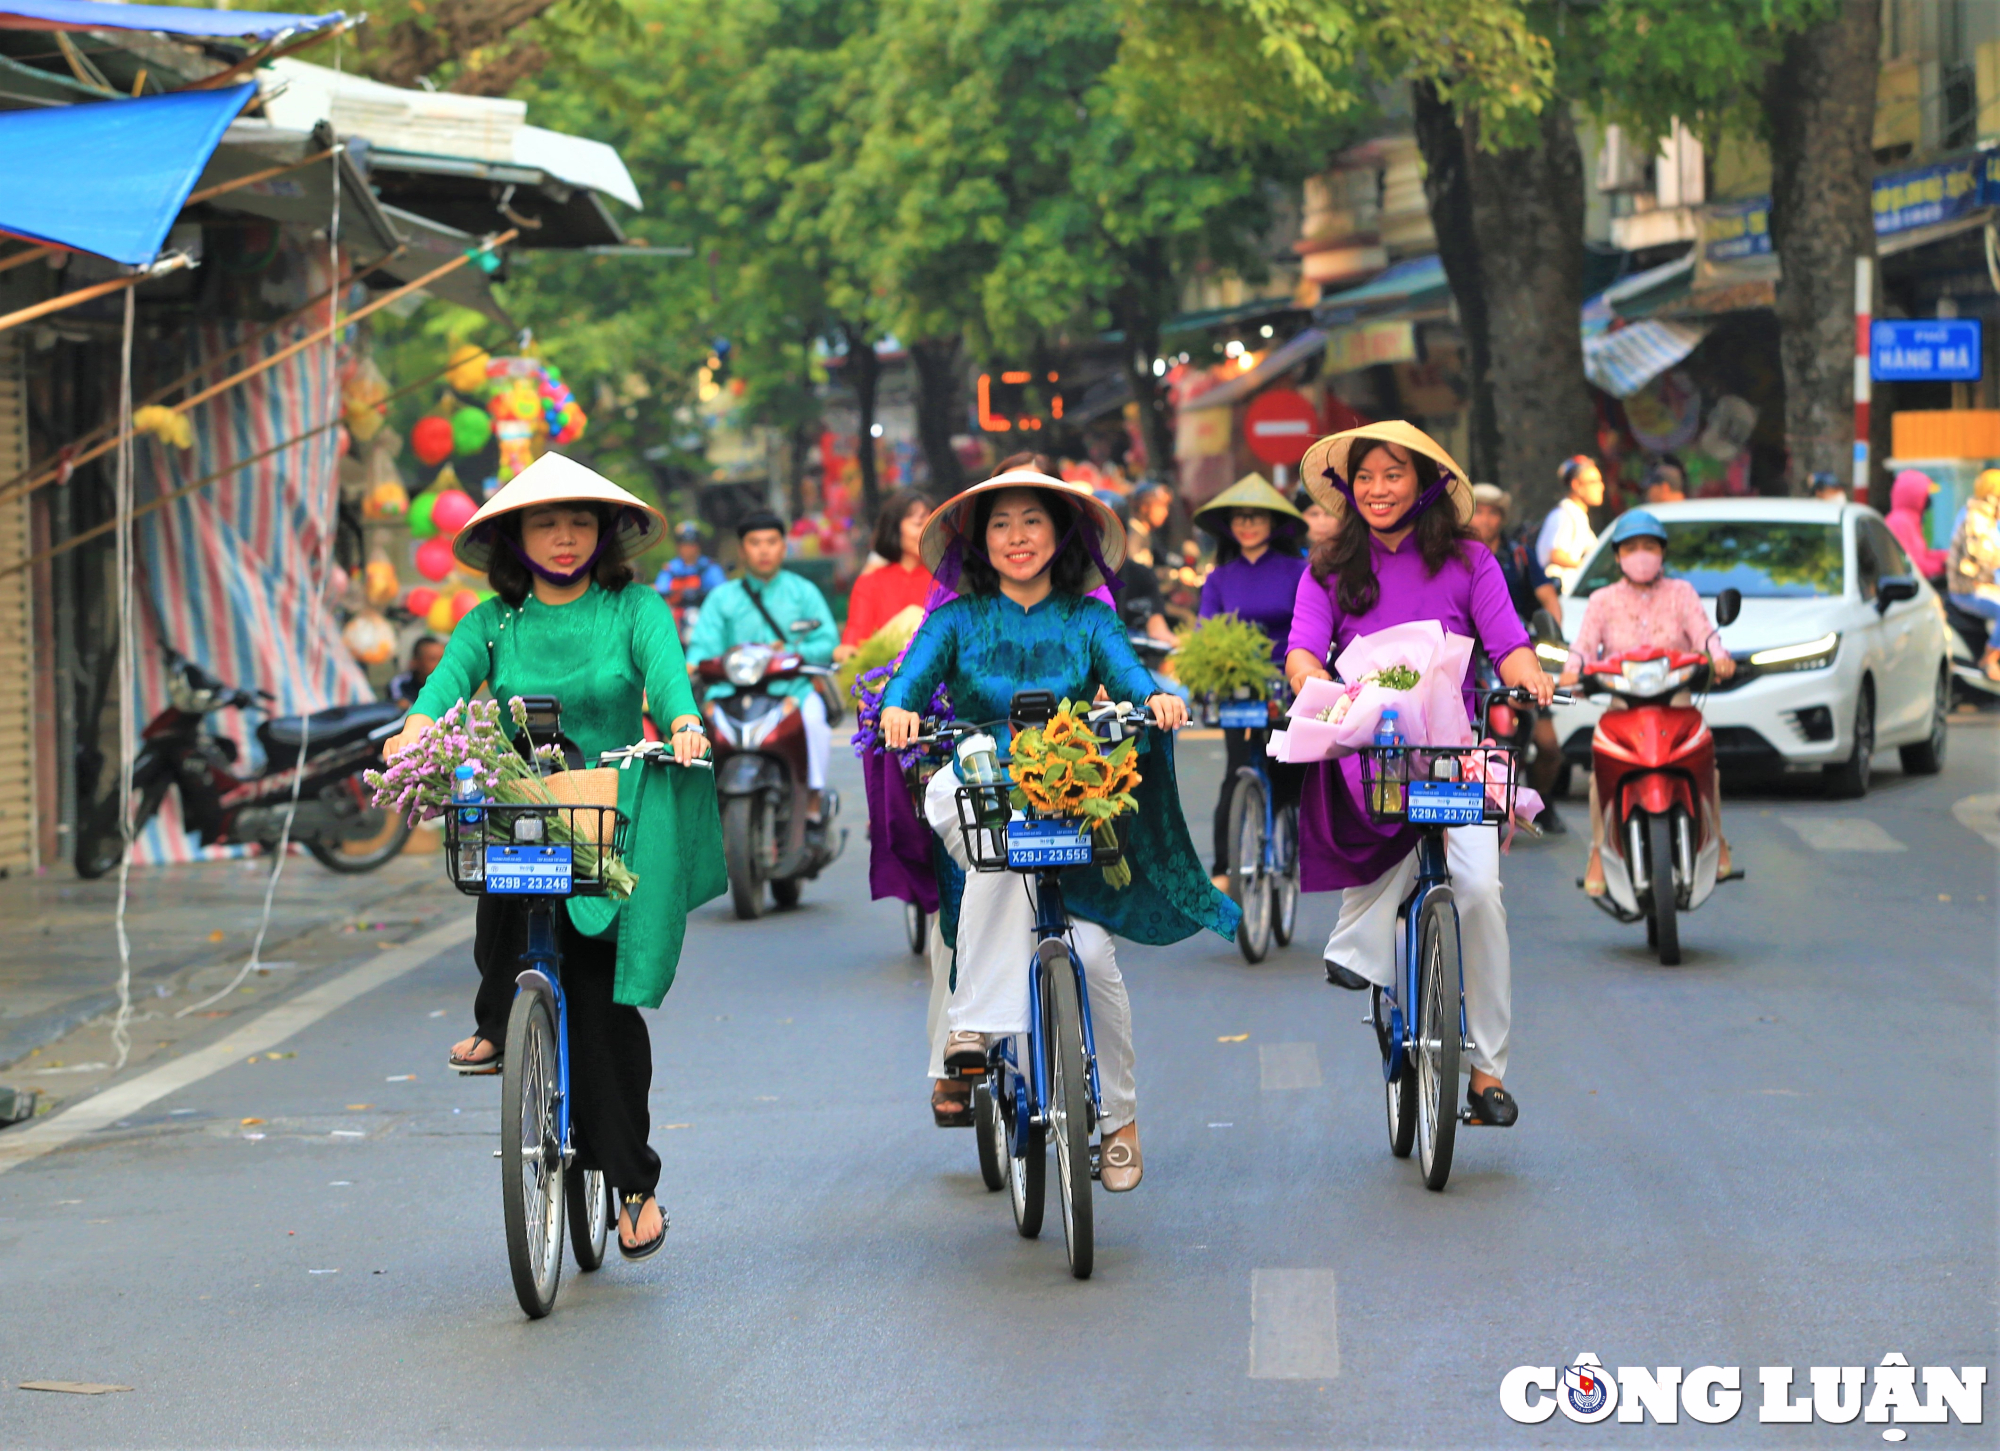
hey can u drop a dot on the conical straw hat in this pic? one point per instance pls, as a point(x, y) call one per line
point(554, 479)
point(1330, 457)
point(951, 518)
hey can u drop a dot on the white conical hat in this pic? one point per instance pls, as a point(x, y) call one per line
point(554, 479)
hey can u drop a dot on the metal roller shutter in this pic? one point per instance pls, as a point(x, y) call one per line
point(17, 725)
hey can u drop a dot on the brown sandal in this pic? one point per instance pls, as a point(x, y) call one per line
point(1119, 1167)
point(951, 1104)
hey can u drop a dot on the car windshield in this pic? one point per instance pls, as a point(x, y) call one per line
point(1763, 558)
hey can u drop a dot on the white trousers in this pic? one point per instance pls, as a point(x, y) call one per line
point(819, 738)
point(996, 939)
point(1365, 939)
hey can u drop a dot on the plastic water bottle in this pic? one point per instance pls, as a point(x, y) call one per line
point(1389, 764)
point(467, 798)
point(978, 761)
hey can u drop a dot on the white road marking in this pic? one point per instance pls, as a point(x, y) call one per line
point(1980, 814)
point(1294, 1325)
point(1288, 1065)
point(1842, 833)
point(266, 1030)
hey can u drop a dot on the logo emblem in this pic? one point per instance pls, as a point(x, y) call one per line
point(1588, 1393)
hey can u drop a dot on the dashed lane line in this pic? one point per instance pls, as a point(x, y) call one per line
point(1979, 814)
point(1282, 1066)
point(1842, 833)
point(1294, 1325)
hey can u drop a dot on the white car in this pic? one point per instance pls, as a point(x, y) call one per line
point(1841, 647)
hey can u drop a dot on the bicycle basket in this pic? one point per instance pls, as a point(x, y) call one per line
point(536, 849)
point(997, 841)
point(1438, 785)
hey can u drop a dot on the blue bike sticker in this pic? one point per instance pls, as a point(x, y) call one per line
point(1237, 715)
point(1060, 842)
point(1446, 803)
point(528, 871)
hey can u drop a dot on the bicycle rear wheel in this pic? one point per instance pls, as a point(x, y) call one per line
point(1437, 1042)
point(1069, 1102)
point(589, 1217)
point(914, 923)
point(531, 1166)
point(1285, 884)
point(992, 1135)
point(1248, 879)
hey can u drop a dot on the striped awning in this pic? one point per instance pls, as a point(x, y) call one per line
point(1623, 361)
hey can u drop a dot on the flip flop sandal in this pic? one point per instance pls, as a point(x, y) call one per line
point(1492, 1107)
point(633, 1207)
point(951, 1110)
point(476, 1067)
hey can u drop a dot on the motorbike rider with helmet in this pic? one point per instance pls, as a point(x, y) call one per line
point(1645, 608)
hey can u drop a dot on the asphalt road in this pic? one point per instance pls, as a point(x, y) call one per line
point(1781, 1152)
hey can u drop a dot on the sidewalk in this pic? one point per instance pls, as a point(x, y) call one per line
point(190, 927)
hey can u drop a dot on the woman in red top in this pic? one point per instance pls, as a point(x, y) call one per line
point(885, 591)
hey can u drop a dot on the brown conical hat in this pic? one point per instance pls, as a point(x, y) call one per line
point(1332, 455)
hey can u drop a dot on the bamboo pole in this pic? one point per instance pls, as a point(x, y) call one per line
point(85, 294)
point(256, 176)
point(33, 254)
point(268, 54)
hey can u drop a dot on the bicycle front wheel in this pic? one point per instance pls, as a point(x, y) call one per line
point(1437, 1042)
point(915, 922)
point(589, 1217)
point(531, 1166)
point(1069, 1101)
point(992, 1135)
point(1247, 876)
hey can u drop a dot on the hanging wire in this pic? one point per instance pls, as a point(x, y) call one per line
point(128, 682)
point(315, 619)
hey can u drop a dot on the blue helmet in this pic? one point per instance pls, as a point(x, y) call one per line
point(1638, 524)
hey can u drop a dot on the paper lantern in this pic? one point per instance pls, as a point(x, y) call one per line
point(470, 428)
point(430, 440)
point(371, 638)
point(451, 511)
point(381, 582)
point(419, 600)
point(439, 616)
point(468, 369)
point(421, 525)
point(338, 582)
point(434, 559)
point(463, 603)
point(387, 500)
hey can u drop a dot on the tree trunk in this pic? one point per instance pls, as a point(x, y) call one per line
point(1449, 192)
point(1819, 99)
point(1526, 206)
point(863, 372)
point(936, 363)
point(1139, 308)
point(414, 47)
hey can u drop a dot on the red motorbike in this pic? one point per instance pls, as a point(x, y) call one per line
point(1655, 767)
point(334, 820)
point(759, 740)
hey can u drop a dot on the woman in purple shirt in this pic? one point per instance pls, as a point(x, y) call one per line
point(1258, 561)
point(1404, 551)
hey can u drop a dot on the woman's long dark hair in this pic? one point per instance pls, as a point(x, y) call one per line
point(1287, 535)
point(512, 580)
point(888, 540)
point(1437, 531)
point(1067, 572)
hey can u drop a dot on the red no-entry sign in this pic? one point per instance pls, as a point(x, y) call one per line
point(1280, 425)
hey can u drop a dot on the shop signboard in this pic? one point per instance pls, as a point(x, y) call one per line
point(1927, 195)
point(1363, 345)
point(1928, 350)
point(1736, 231)
point(1280, 425)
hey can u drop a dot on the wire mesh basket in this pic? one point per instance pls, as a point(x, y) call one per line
point(536, 849)
point(997, 841)
point(1438, 785)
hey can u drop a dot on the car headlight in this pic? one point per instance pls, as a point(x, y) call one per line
point(1810, 655)
point(1551, 654)
point(744, 666)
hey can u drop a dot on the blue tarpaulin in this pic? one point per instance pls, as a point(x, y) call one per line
point(170, 19)
point(109, 177)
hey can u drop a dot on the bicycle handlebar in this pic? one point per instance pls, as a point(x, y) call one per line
point(1521, 695)
point(653, 752)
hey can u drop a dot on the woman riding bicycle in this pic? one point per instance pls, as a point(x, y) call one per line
point(1258, 561)
point(1404, 551)
point(554, 544)
point(1023, 550)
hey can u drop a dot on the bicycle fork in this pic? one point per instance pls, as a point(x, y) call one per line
point(541, 975)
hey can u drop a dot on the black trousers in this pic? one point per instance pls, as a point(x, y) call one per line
point(1240, 748)
point(610, 1054)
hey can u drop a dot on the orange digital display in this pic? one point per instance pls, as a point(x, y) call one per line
point(1014, 400)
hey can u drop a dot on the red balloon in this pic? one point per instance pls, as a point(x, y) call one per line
point(462, 604)
point(419, 600)
point(451, 511)
point(434, 559)
point(430, 440)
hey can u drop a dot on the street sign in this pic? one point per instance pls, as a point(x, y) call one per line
point(1941, 350)
point(1280, 425)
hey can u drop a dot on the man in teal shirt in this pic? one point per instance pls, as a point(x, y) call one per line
point(769, 603)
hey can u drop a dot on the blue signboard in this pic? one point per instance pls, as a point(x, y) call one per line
point(1927, 195)
point(1942, 350)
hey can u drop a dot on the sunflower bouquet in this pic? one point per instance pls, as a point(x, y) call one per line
point(1061, 769)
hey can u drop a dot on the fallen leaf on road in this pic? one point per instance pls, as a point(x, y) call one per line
point(1237, 1038)
point(246, 1122)
point(72, 1387)
point(357, 1107)
point(217, 935)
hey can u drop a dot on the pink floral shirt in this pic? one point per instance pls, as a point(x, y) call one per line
point(1624, 616)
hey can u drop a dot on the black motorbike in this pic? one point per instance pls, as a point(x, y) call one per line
point(334, 820)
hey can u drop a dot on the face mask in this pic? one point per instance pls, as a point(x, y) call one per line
point(1642, 566)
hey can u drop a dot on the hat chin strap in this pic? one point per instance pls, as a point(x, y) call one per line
point(1424, 500)
point(603, 538)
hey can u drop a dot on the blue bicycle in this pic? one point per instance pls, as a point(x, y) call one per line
point(1263, 837)
point(530, 852)
point(1041, 1085)
point(1432, 788)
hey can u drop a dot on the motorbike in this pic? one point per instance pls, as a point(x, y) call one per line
point(1966, 640)
point(334, 820)
point(1655, 767)
point(759, 740)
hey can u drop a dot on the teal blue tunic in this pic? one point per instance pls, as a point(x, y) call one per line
point(983, 649)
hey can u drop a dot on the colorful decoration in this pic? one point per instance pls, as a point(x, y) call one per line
point(338, 582)
point(450, 512)
point(421, 525)
point(439, 616)
point(387, 500)
point(166, 425)
point(463, 603)
point(517, 446)
point(380, 583)
point(470, 430)
point(419, 600)
point(468, 370)
point(370, 638)
point(431, 440)
point(434, 559)
point(361, 398)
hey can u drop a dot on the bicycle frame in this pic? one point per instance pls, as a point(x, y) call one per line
point(543, 975)
point(1433, 879)
point(1028, 1094)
